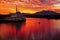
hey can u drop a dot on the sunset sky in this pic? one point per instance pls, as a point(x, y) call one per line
point(28, 6)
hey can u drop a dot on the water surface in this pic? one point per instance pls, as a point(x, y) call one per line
point(32, 29)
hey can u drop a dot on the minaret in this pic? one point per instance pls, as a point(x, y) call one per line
point(16, 9)
point(17, 12)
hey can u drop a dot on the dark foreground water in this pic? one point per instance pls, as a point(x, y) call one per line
point(32, 29)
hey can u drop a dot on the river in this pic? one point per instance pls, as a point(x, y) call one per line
point(32, 29)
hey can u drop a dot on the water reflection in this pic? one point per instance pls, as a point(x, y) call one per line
point(32, 29)
point(40, 29)
point(7, 31)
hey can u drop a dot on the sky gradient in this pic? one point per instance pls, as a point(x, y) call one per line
point(29, 6)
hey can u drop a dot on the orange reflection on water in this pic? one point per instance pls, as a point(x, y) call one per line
point(34, 26)
point(7, 30)
point(37, 27)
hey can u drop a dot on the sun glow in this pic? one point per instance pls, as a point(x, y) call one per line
point(26, 6)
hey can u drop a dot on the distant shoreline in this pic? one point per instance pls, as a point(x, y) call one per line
point(43, 16)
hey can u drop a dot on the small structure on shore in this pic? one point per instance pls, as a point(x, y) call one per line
point(12, 17)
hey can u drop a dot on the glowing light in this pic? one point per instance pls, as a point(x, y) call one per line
point(33, 4)
point(28, 11)
point(57, 5)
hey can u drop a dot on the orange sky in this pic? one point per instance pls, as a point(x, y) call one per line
point(27, 7)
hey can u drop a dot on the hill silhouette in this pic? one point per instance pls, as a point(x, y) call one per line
point(41, 14)
point(47, 13)
point(44, 14)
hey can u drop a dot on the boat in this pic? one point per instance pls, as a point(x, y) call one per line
point(18, 17)
point(13, 17)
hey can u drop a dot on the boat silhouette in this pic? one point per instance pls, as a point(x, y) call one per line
point(13, 17)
